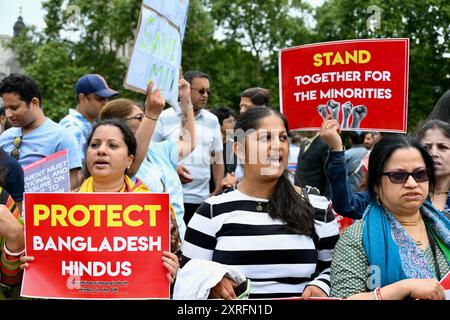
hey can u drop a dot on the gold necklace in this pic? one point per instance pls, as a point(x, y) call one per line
point(410, 223)
point(419, 242)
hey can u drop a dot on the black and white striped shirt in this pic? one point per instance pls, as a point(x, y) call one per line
point(229, 229)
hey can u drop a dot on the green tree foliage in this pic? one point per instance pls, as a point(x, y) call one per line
point(425, 23)
point(235, 42)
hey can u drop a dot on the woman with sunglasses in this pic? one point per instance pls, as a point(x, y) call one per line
point(400, 249)
point(434, 135)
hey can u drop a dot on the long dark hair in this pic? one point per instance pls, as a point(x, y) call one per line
point(285, 203)
point(382, 152)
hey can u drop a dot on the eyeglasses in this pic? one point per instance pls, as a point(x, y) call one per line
point(398, 177)
point(17, 142)
point(202, 91)
point(138, 117)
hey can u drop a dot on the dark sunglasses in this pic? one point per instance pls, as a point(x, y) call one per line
point(138, 117)
point(202, 91)
point(420, 175)
point(17, 142)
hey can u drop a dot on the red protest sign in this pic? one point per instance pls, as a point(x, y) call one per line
point(96, 245)
point(363, 84)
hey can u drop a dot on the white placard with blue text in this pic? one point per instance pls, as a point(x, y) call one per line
point(157, 49)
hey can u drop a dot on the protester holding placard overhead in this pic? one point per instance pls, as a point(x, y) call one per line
point(33, 135)
point(157, 169)
point(265, 230)
point(401, 247)
point(195, 168)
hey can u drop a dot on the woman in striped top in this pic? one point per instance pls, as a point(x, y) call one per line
point(278, 236)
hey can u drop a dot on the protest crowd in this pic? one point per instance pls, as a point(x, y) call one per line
point(255, 210)
point(254, 226)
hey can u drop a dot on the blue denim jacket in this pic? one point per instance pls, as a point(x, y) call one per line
point(345, 202)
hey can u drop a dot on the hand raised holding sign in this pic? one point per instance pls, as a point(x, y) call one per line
point(155, 103)
point(330, 133)
point(186, 141)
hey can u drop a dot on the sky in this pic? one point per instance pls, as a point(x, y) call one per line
point(33, 14)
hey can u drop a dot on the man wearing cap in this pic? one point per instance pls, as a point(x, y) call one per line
point(92, 94)
point(33, 136)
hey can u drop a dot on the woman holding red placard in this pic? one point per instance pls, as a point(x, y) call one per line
point(111, 149)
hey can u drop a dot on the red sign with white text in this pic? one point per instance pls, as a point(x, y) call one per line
point(363, 84)
point(96, 245)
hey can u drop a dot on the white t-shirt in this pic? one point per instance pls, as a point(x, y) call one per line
point(208, 139)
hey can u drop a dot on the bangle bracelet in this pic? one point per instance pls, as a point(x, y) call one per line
point(377, 294)
point(150, 117)
point(15, 254)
